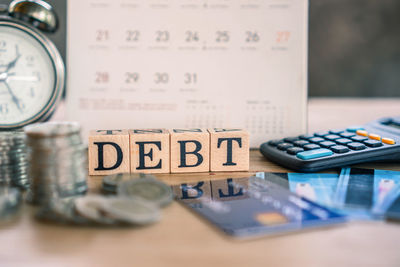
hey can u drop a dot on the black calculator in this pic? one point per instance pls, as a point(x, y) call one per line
point(376, 141)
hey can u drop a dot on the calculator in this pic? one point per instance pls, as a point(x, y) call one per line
point(376, 141)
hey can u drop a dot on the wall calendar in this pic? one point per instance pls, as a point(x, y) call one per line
point(189, 63)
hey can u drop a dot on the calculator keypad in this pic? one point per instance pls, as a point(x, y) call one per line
point(322, 144)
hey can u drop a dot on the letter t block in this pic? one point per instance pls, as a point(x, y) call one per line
point(149, 150)
point(230, 150)
point(108, 152)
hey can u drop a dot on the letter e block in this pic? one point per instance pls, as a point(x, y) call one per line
point(230, 149)
point(108, 152)
point(190, 150)
point(149, 150)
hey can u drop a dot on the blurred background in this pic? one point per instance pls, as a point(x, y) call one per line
point(354, 46)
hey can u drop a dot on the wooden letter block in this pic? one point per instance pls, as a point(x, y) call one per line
point(190, 150)
point(230, 149)
point(108, 152)
point(149, 150)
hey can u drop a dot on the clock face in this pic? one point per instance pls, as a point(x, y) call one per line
point(27, 77)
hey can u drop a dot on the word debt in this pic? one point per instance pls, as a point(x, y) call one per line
point(165, 151)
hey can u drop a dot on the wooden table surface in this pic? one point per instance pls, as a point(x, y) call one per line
point(182, 239)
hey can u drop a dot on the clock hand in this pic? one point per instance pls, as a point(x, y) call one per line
point(12, 63)
point(21, 78)
point(13, 96)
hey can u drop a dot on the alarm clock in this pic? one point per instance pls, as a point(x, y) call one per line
point(32, 72)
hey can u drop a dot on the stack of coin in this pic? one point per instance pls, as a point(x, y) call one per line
point(58, 161)
point(138, 201)
point(13, 159)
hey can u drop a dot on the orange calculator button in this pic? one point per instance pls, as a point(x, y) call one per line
point(362, 132)
point(374, 137)
point(388, 141)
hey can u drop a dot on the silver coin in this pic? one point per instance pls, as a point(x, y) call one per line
point(148, 189)
point(132, 211)
point(111, 181)
point(90, 208)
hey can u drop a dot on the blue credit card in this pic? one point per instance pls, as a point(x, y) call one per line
point(360, 191)
point(318, 187)
point(249, 207)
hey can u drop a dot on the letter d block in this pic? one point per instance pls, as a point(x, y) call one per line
point(108, 152)
point(149, 150)
point(190, 150)
point(230, 149)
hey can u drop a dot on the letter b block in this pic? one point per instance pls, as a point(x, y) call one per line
point(190, 150)
point(149, 150)
point(108, 152)
point(230, 149)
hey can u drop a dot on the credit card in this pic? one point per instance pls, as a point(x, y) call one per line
point(251, 207)
point(360, 191)
point(318, 187)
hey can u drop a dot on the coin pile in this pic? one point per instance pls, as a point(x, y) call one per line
point(138, 204)
point(58, 161)
point(13, 159)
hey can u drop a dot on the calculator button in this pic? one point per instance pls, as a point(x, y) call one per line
point(373, 143)
point(388, 141)
point(327, 144)
point(359, 138)
point(316, 153)
point(337, 131)
point(354, 128)
point(374, 137)
point(356, 146)
point(306, 136)
point(284, 146)
point(301, 143)
point(321, 134)
point(291, 139)
point(339, 149)
point(332, 137)
point(362, 133)
point(311, 147)
point(316, 139)
point(347, 134)
point(343, 141)
point(275, 142)
point(294, 150)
